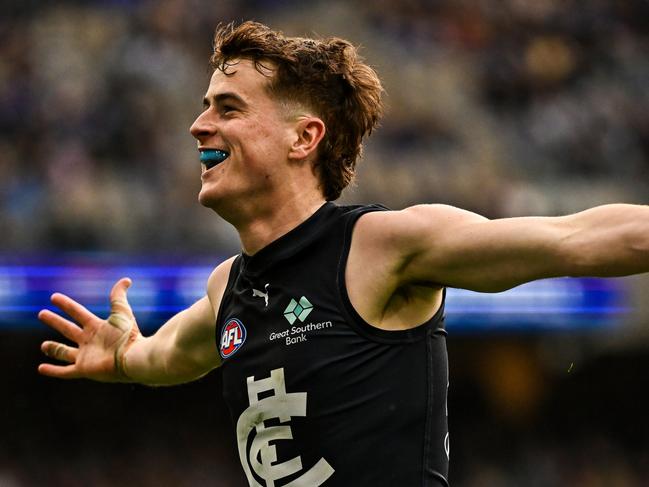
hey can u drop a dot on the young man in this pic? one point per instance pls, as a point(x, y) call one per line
point(329, 325)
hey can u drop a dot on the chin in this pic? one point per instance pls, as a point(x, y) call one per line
point(208, 199)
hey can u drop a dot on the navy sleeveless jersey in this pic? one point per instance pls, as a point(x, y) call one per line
point(317, 395)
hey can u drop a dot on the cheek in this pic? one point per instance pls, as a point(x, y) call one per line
point(266, 141)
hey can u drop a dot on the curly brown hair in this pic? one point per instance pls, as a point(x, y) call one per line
point(324, 75)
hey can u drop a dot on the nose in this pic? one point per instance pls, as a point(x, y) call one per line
point(203, 127)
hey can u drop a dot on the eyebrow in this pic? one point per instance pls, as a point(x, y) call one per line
point(222, 98)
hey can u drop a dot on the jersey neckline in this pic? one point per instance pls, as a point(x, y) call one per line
point(289, 243)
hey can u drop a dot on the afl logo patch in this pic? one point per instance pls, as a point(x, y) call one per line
point(232, 338)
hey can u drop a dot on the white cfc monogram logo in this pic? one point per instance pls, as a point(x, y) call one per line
point(262, 456)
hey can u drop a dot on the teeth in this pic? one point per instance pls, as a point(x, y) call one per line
point(212, 157)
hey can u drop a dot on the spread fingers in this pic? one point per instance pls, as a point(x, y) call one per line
point(77, 311)
point(65, 327)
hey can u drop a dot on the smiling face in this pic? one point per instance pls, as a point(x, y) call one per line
point(241, 119)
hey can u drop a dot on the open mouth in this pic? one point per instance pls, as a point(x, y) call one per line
point(213, 157)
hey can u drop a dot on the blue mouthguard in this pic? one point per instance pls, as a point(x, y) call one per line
point(213, 155)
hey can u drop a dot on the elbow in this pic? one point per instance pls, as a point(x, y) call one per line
point(578, 256)
point(639, 249)
point(586, 261)
point(611, 255)
point(639, 240)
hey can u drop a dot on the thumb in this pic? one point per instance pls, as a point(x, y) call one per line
point(119, 307)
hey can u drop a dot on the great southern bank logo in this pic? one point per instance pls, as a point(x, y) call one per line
point(232, 338)
point(298, 310)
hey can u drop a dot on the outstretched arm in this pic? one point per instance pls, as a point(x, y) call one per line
point(114, 350)
point(447, 246)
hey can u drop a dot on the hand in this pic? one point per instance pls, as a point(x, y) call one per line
point(101, 344)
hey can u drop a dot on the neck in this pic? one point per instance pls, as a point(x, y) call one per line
point(264, 225)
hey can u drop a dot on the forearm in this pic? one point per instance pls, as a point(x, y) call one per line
point(148, 359)
point(182, 350)
point(609, 240)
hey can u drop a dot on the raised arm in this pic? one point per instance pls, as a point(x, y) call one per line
point(447, 246)
point(113, 350)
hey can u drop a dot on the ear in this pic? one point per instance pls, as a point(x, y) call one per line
point(309, 131)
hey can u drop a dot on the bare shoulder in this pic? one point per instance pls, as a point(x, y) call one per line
point(382, 247)
point(217, 283)
point(400, 222)
point(402, 231)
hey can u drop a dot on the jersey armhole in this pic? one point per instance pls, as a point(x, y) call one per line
point(355, 320)
point(234, 270)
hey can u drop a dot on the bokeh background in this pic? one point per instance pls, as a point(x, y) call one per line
point(504, 107)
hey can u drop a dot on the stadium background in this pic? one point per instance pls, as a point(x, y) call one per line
point(506, 108)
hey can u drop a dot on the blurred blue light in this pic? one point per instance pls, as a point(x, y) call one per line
point(159, 291)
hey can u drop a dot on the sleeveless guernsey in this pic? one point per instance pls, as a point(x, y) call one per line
point(317, 395)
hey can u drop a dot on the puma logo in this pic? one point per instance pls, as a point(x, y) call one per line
point(256, 293)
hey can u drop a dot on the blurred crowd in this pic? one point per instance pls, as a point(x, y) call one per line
point(502, 107)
